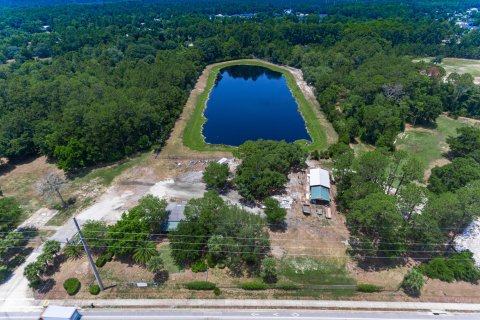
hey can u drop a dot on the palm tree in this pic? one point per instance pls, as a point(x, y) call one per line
point(51, 247)
point(155, 264)
point(144, 251)
point(32, 272)
point(73, 251)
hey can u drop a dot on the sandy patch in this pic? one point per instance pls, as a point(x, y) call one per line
point(437, 163)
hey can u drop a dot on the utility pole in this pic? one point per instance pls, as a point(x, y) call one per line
point(92, 264)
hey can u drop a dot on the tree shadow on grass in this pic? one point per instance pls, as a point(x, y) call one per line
point(379, 264)
point(126, 259)
point(11, 164)
point(280, 227)
point(55, 267)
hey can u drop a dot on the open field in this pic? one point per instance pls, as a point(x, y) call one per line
point(461, 66)
point(314, 120)
point(428, 145)
point(19, 181)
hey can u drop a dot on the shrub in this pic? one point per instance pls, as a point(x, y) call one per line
point(94, 289)
point(253, 286)
point(200, 285)
point(217, 291)
point(413, 282)
point(199, 266)
point(72, 286)
point(108, 256)
point(100, 262)
point(363, 287)
point(286, 286)
point(458, 266)
point(269, 270)
point(437, 268)
point(221, 265)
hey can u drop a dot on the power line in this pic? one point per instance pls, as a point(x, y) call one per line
point(261, 253)
point(274, 225)
point(249, 238)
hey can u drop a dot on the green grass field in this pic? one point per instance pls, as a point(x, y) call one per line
point(429, 145)
point(193, 138)
point(316, 277)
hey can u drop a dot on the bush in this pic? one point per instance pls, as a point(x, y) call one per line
point(458, 266)
point(108, 256)
point(269, 270)
point(437, 268)
point(200, 285)
point(221, 265)
point(199, 266)
point(413, 282)
point(253, 286)
point(100, 262)
point(363, 287)
point(72, 286)
point(217, 291)
point(94, 289)
point(71, 201)
point(286, 286)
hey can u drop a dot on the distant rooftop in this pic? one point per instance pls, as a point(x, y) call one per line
point(176, 214)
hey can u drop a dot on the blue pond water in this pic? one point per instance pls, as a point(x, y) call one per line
point(251, 103)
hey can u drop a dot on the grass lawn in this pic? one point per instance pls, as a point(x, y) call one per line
point(192, 135)
point(168, 263)
point(462, 66)
point(429, 145)
point(317, 277)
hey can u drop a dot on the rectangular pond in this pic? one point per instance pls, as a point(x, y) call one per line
point(252, 103)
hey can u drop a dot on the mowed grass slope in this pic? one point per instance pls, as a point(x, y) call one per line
point(428, 145)
point(194, 139)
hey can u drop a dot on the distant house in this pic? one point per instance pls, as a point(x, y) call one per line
point(176, 213)
point(319, 181)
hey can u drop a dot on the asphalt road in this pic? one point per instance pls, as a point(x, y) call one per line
point(197, 314)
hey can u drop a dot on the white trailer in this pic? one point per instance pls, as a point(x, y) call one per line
point(60, 313)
